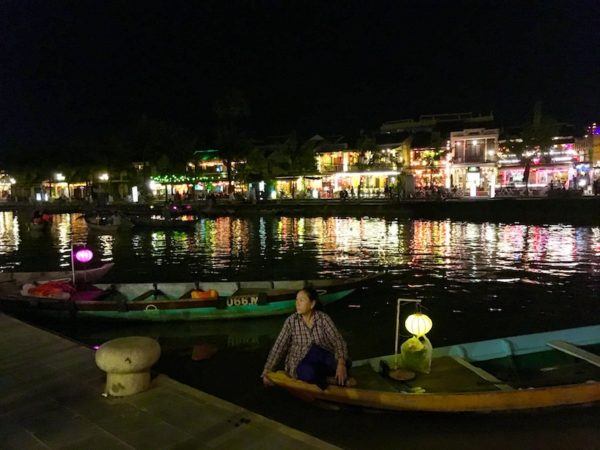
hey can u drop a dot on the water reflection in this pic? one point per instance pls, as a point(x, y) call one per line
point(9, 237)
point(292, 247)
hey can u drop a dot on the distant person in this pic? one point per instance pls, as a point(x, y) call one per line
point(116, 218)
point(46, 217)
point(252, 196)
point(352, 191)
point(314, 350)
point(37, 217)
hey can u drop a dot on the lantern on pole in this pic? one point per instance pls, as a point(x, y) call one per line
point(82, 255)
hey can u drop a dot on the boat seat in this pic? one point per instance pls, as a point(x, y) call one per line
point(483, 374)
point(294, 285)
point(257, 290)
point(7, 277)
point(575, 351)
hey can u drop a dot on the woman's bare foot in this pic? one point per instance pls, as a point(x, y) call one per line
point(350, 382)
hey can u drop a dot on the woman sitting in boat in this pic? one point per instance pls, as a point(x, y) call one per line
point(314, 349)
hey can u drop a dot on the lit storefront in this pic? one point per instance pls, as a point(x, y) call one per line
point(475, 181)
point(474, 161)
point(359, 173)
point(539, 176)
point(309, 186)
point(363, 184)
point(184, 187)
point(63, 190)
point(428, 167)
point(562, 165)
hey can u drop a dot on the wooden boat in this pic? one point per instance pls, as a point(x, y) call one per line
point(516, 373)
point(101, 227)
point(108, 228)
point(81, 276)
point(162, 223)
point(164, 302)
point(42, 226)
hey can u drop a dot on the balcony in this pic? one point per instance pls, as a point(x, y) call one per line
point(478, 158)
point(331, 168)
point(379, 167)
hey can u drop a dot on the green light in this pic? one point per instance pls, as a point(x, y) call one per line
point(183, 179)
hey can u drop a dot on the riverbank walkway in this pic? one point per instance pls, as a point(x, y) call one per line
point(50, 397)
point(576, 210)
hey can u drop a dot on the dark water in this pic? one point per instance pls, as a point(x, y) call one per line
point(476, 280)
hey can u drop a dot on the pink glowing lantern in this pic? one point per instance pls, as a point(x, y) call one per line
point(84, 255)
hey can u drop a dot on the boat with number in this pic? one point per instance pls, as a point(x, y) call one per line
point(162, 302)
point(533, 371)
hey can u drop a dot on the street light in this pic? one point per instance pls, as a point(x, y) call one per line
point(103, 177)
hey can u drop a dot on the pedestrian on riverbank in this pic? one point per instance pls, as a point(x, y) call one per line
point(314, 349)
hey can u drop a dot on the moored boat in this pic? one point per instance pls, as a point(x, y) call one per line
point(102, 227)
point(39, 226)
point(185, 301)
point(8, 279)
point(533, 371)
point(163, 223)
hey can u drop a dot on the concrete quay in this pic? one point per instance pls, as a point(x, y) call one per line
point(534, 210)
point(50, 397)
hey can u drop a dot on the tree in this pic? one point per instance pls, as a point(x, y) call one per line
point(230, 111)
point(365, 144)
point(303, 156)
point(540, 134)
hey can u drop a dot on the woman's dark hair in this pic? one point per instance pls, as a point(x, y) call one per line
point(313, 295)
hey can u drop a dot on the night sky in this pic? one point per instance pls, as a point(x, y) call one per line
point(82, 68)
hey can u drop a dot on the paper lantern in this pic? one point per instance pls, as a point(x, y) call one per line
point(84, 255)
point(418, 324)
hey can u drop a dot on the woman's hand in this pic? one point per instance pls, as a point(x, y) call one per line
point(341, 374)
point(267, 382)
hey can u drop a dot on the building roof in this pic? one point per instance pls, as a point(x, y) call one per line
point(384, 139)
point(442, 123)
point(206, 154)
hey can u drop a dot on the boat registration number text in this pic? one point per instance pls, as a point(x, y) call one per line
point(242, 300)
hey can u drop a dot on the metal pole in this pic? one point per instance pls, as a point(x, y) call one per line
point(397, 333)
point(72, 264)
point(396, 340)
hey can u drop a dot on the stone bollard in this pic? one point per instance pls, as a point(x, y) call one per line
point(127, 362)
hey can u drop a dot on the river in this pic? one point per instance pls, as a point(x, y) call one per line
point(476, 281)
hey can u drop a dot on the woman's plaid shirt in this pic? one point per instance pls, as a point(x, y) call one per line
point(296, 338)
